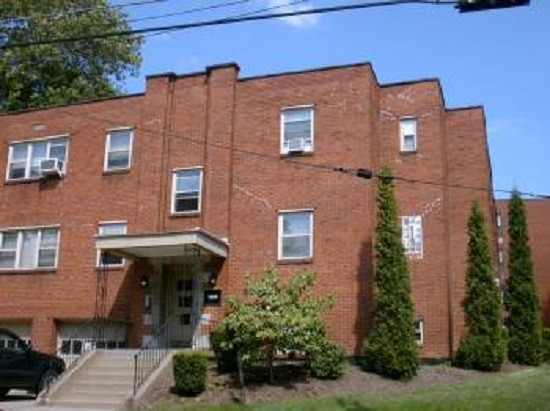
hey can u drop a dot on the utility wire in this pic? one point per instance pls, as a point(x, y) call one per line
point(83, 10)
point(190, 11)
point(224, 21)
point(262, 10)
point(364, 173)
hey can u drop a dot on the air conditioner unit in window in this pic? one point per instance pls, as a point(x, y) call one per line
point(51, 167)
point(297, 145)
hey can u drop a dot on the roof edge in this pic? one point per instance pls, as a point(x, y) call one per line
point(310, 70)
point(76, 103)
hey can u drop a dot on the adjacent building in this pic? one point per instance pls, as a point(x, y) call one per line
point(144, 211)
point(539, 240)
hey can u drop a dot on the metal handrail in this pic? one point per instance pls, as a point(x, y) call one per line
point(151, 354)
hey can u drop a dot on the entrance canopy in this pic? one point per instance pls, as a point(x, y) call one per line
point(160, 245)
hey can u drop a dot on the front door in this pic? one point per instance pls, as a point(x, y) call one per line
point(182, 305)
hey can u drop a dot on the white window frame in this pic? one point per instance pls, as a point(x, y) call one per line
point(28, 161)
point(19, 249)
point(419, 328)
point(174, 192)
point(308, 147)
point(106, 167)
point(412, 253)
point(98, 257)
point(402, 134)
point(281, 215)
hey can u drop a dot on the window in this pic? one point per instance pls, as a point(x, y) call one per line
point(297, 129)
point(24, 158)
point(118, 149)
point(110, 228)
point(412, 235)
point(186, 190)
point(407, 131)
point(419, 331)
point(29, 248)
point(295, 234)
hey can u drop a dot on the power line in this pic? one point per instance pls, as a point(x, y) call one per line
point(364, 173)
point(262, 10)
point(190, 11)
point(224, 21)
point(83, 10)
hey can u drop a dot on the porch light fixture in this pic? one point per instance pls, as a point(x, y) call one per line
point(210, 278)
point(144, 281)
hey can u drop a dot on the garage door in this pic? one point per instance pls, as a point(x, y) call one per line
point(22, 329)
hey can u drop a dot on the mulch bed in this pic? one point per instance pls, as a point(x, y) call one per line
point(292, 381)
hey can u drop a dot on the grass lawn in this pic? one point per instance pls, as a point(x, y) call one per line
point(528, 389)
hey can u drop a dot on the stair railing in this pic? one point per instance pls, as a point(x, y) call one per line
point(147, 359)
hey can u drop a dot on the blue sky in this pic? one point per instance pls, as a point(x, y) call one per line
point(500, 59)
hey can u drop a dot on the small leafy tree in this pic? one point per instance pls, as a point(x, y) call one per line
point(482, 347)
point(521, 299)
point(276, 315)
point(390, 349)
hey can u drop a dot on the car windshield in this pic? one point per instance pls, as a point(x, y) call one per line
point(8, 341)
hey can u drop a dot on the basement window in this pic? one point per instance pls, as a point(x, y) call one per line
point(419, 331)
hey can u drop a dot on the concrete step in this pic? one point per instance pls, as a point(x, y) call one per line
point(109, 372)
point(98, 389)
point(83, 404)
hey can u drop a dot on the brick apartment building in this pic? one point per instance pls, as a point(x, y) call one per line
point(206, 176)
point(539, 240)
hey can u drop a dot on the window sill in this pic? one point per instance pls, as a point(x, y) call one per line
point(116, 171)
point(289, 261)
point(408, 152)
point(298, 154)
point(28, 271)
point(22, 180)
point(111, 267)
point(189, 214)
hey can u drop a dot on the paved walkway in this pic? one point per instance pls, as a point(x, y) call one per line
point(22, 401)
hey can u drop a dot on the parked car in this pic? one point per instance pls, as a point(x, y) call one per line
point(21, 367)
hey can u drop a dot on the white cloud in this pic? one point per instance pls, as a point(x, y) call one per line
point(187, 63)
point(287, 6)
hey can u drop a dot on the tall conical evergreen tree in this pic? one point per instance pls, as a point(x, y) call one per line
point(482, 347)
point(521, 299)
point(390, 349)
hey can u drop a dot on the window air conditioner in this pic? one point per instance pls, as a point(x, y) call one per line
point(51, 167)
point(296, 145)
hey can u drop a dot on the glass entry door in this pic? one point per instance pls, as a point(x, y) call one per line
point(182, 305)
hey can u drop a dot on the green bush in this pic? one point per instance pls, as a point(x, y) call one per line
point(327, 361)
point(190, 372)
point(480, 352)
point(483, 347)
point(225, 352)
point(390, 349)
point(546, 344)
point(521, 296)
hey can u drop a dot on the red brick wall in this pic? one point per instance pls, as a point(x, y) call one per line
point(231, 127)
point(468, 160)
point(539, 240)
